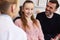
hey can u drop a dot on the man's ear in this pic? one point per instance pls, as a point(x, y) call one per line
point(55, 10)
point(13, 7)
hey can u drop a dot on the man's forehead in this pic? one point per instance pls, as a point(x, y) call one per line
point(52, 4)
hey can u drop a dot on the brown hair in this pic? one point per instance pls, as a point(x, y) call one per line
point(5, 4)
point(24, 21)
point(11, 1)
point(56, 2)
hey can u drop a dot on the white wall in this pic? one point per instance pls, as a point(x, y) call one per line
point(21, 2)
point(58, 11)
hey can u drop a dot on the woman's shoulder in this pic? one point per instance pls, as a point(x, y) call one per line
point(17, 18)
point(18, 22)
point(37, 21)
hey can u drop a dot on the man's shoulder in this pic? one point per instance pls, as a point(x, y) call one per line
point(41, 14)
point(56, 14)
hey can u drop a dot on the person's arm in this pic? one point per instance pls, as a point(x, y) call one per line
point(57, 37)
point(40, 34)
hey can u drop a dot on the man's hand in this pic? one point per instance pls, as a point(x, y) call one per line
point(56, 37)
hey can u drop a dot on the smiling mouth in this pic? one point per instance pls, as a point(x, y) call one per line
point(47, 11)
point(29, 13)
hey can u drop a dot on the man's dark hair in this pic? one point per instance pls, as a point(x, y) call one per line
point(55, 1)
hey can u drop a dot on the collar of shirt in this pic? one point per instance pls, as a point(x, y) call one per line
point(50, 16)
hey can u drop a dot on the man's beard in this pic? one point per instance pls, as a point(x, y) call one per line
point(48, 12)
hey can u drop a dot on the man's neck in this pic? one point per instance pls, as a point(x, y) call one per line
point(50, 16)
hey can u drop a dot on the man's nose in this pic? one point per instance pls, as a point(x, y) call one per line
point(48, 8)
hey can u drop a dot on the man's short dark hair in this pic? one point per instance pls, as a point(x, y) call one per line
point(55, 1)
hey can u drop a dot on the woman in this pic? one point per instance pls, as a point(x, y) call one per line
point(9, 31)
point(27, 22)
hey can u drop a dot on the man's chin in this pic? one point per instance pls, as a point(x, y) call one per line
point(47, 13)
